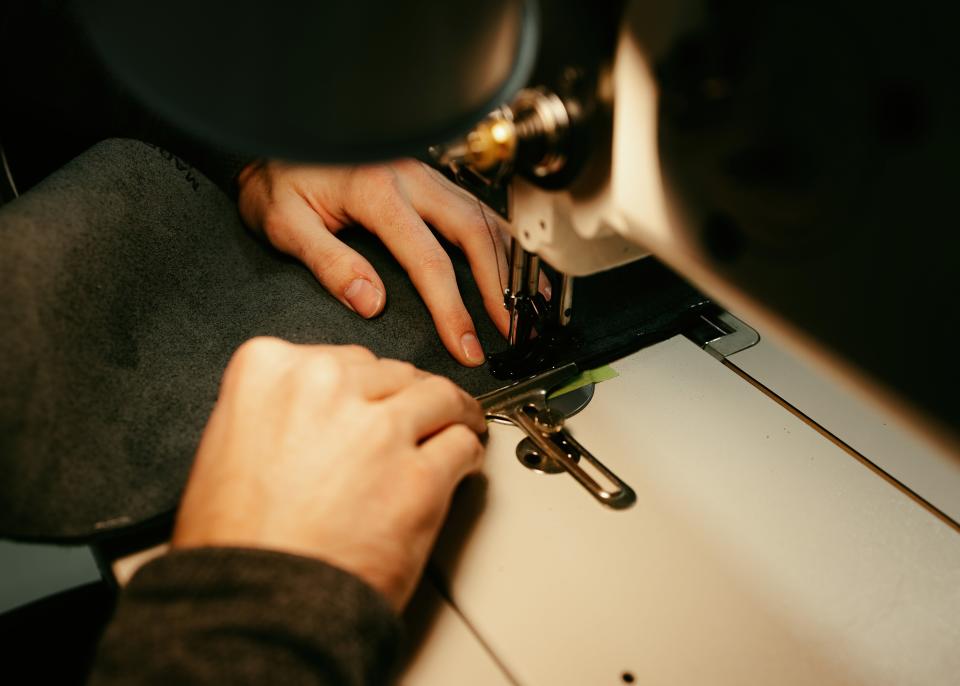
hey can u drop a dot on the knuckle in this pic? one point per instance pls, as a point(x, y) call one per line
point(417, 171)
point(326, 262)
point(259, 351)
point(435, 261)
point(446, 389)
point(382, 174)
point(406, 368)
point(400, 368)
point(465, 439)
point(456, 397)
point(275, 220)
point(359, 352)
point(255, 358)
point(408, 165)
point(356, 348)
point(369, 180)
point(453, 318)
point(321, 372)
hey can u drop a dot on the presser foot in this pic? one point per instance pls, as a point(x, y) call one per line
point(549, 447)
point(541, 352)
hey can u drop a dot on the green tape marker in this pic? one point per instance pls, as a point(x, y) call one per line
point(604, 373)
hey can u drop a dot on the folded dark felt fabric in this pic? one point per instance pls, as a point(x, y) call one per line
point(127, 281)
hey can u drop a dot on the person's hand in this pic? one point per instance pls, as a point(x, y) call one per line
point(300, 209)
point(329, 452)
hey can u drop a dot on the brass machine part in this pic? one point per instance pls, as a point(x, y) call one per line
point(490, 147)
point(527, 136)
point(491, 144)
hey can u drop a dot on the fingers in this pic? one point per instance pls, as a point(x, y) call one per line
point(469, 225)
point(353, 354)
point(384, 378)
point(381, 206)
point(300, 209)
point(432, 405)
point(453, 453)
point(299, 231)
point(363, 372)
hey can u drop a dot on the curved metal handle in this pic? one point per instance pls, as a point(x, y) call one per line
point(621, 497)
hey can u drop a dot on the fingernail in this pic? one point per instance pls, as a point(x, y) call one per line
point(471, 348)
point(364, 297)
point(547, 291)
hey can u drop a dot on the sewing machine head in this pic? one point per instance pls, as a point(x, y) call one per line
point(760, 149)
point(691, 133)
point(544, 161)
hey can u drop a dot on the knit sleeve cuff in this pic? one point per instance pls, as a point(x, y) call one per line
point(246, 615)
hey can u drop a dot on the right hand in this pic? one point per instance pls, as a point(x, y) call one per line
point(301, 208)
point(329, 452)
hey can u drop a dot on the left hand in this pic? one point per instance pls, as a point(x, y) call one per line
point(300, 209)
point(329, 452)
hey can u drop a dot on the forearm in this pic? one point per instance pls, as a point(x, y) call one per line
point(222, 615)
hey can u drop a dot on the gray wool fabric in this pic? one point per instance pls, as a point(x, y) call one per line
point(127, 281)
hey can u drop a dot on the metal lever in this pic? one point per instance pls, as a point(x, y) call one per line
point(524, 404)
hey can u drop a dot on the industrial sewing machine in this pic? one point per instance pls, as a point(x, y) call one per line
point(774, 531)
point(751, 520)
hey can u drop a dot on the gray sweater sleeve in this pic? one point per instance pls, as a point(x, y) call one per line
point(244, 616)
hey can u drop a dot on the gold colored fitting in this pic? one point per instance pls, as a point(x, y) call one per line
point(491, 143)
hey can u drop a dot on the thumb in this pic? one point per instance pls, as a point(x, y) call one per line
point(300, 232)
